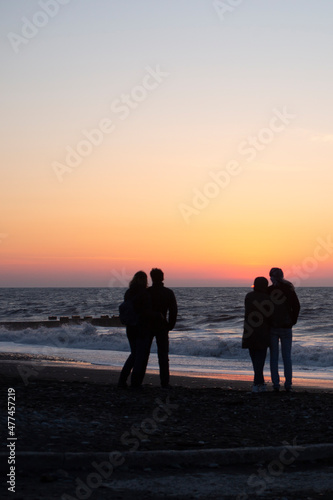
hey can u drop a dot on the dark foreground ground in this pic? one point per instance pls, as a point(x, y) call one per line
point(78, 416)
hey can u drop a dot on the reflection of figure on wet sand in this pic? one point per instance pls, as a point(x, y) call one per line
point(138, 334)
point(256, 336)
point(284, 317)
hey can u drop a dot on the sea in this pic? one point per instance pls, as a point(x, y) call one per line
point(205, 342)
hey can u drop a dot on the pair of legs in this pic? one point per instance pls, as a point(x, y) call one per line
point(258, 357)
point(162, 342)
point(285, 336)
point(139, 341)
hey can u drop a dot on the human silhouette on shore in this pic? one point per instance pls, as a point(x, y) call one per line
point(139, 334)
point(256, 334)
point(283, 318)
point(165, 305)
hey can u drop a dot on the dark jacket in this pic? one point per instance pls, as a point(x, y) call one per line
point(164, 301)
point(258, 308)
point(141, 303)
point(286, 305)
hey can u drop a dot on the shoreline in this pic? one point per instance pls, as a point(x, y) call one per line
point(30, 367)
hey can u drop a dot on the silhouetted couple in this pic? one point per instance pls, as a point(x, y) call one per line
point(156, 314)
point(270, 314)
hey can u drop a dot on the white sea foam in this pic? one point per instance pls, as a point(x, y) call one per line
point(202, 346)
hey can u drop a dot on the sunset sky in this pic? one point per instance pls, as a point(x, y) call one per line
point(191, 135)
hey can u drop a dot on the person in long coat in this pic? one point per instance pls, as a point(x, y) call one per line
point(139, 333)
point(256, 334)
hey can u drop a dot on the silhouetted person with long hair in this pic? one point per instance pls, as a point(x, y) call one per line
point(256, 335)
point(139, 335)
point(163, 302)
point(284, 317)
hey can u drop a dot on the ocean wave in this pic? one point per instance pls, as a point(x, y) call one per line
point(225, 346)
point(84, 336)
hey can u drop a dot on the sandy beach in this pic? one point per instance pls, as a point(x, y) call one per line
point(62, 406)
point(57, 398)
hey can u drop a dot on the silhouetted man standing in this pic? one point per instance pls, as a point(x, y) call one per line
point(164, 302)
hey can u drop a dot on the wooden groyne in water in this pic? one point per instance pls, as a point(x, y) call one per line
point(53, 322)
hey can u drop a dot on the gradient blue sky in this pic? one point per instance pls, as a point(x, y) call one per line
point(122, 208)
